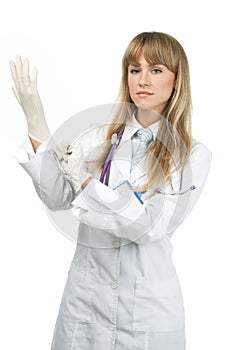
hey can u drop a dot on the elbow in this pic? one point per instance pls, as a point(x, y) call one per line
point(150, 236)
point(56, 203)
point(150, 230)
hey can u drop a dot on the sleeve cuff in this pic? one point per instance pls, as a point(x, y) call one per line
point(25, 151)
point(122, 201)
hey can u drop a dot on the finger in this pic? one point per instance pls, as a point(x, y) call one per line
point(16, 94)
point(34, 77)
point(26, 77)
point(19, 68)
point(13, 72)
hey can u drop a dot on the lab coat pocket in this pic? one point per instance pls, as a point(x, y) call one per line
point(158, 305)
point(77, 296)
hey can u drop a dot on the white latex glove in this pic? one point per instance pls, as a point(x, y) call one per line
point(26, 92)
point(74, 166)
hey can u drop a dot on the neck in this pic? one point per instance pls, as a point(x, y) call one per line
point(147, 117)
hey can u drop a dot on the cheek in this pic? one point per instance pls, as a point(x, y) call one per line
point(132, 87)
point(167, 85)
point(130, 83)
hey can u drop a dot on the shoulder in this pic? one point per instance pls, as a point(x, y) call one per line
point(200, 151)
point(195, 169)
point(200, 155)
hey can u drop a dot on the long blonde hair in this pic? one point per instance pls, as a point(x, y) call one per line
point(173, 141)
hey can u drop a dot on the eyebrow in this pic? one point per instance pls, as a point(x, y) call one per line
point(150, 65)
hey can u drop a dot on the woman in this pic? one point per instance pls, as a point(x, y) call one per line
point(122, 291)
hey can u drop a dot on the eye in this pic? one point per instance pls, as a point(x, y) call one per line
point(134, 71)
point(156, 71)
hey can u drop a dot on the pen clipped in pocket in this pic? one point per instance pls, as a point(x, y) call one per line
point(128, 186)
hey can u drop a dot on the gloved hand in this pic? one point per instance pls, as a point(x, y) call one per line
point(74, 166)
point(26, 92)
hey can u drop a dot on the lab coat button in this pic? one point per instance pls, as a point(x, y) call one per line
point(113, 285)
point(111, 327)
point(116, 244)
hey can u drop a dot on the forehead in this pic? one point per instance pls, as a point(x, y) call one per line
point(142, 61)
point(155, 54)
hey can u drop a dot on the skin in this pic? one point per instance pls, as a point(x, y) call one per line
point(35, 144)
point(158, 81)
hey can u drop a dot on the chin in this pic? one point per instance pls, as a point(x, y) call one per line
point(145, 107)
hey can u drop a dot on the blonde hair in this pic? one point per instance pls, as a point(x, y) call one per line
point(173, 141)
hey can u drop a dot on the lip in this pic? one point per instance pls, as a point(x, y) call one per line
point(144, 93)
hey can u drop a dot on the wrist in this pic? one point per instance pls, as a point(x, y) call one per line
point(35, 143)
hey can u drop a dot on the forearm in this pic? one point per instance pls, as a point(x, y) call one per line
point(51, 183)
point(120, 213)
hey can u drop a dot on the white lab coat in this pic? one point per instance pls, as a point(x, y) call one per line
point(122, 290)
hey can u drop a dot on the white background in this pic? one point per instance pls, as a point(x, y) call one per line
point(77, 48)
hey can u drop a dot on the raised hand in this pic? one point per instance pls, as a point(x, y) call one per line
point(25, 90)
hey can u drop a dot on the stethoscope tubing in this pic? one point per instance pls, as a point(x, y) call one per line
point(104, 177)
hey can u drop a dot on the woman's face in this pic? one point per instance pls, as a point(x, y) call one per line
point(150, 87)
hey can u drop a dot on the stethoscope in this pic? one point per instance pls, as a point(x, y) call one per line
point(104, 177)
point(115, 140)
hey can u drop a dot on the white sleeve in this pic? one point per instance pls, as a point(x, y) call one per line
point(121, 214)
point(56, 177)
point(24, 152)
point(51, 176)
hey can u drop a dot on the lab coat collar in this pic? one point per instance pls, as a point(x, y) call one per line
point(134, 125)
point(124, 152)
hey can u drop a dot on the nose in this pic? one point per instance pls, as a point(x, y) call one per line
point(143, 79)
